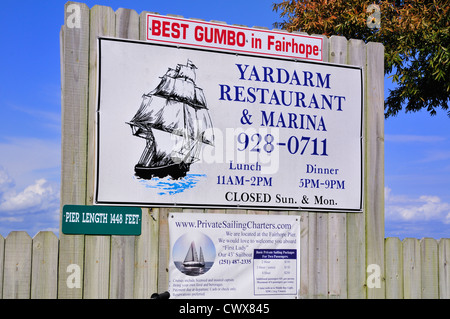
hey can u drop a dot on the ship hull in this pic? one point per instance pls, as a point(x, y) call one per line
point(176, 171)
point(193, 264)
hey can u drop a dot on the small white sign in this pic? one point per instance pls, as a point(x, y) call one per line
point(233, 38)
point(234, 256)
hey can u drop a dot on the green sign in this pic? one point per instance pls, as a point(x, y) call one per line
point(101, 220)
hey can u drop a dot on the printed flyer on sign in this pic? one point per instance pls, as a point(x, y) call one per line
point(238, 256)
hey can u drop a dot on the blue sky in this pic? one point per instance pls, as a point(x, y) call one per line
point(417, 146)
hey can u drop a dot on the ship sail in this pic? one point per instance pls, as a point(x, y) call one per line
point(192, 259)
point(201, 259)
point(177, 106)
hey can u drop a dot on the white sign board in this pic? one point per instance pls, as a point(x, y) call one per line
point(234, 256)
point(189, 127)
point(233, 38)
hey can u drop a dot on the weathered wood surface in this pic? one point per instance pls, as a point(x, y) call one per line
point(356, 223)
point(394, 268)
point(74, 109)
point(44, 284)
point(98, 248)
point(444, 268)
point(429, 266)
point(337, 222)
point(412, 281)
point(327, 239)
point(374, 161)
point(415, 269)
point(336, 248)
point(122, 262)
point(2, 263)
point(317, 230)
point(17, 267)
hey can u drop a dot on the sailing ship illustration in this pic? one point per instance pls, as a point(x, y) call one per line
point(175, 122)
point(193, 259)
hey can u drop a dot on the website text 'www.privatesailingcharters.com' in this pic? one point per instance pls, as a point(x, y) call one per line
point(233, 224)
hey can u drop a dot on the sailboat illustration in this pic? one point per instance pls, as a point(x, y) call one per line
point(192, 259)
point(175, 122)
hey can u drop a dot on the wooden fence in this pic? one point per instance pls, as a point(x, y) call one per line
point(337, 249)
point(414, 269)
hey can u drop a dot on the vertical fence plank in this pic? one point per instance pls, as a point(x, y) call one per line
point(146, 255)
point(122, 247)
point(394, 268)
point(374, 160)
point(102, 23)
point(412, 284)
point(71, 252)
point(127, 24)
point(44, 266)
point(164, 248)
point(356, 232)
point(2, 263)
point(429, 259)
point(97, 254)
point(317, 230)
point(444, 268)
point(147, 244)
point(337, 222)
point(96, 264)
point(74, 102)
point(317, 254)
point(304, 255)
point(337, 255)
point(121, 281)
point(17, 269)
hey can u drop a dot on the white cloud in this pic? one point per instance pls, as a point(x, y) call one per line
point(6, 181)
point(414, 138)
point(447, 219)
point(32, 209)
point(49, 119)
point(11, 219)
point(434, 156)
point(29, 184)
point(37, 197)
point(422, 208)
point(26, 159)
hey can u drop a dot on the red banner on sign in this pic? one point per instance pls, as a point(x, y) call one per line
point(233, 38)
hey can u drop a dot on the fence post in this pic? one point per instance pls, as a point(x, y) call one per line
point(74, 39)
point(122, 270)
point(97, 248)
point(317, 234)
point(374, 160)
point(356, 232)
point(337, 222)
